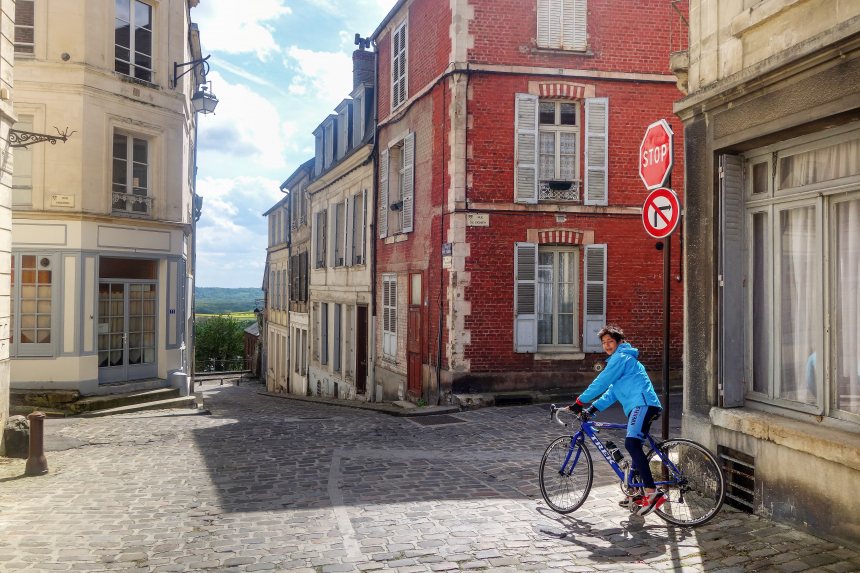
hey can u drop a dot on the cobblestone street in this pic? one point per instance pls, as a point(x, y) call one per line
point(271, 484)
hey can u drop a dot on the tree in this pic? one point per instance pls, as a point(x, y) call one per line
point(219, 343)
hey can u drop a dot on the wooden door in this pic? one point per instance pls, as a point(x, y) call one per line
point(414, 338)
point(361, 350)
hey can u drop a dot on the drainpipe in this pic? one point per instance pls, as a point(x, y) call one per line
point(373, 152)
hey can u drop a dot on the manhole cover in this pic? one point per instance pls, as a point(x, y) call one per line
point(436, 420)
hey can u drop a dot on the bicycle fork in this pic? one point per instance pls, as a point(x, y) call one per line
point(576, 443)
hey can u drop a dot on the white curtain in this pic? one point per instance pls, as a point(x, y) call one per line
point(816, 166)
point(800, 305)
point(847, 331)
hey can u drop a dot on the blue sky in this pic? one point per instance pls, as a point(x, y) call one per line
point(278, 68)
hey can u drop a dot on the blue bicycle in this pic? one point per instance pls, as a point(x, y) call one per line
point(689, 474)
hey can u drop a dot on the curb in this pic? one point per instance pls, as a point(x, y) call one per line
point(381, 407)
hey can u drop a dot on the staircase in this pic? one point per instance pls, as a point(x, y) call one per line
point(64, 403)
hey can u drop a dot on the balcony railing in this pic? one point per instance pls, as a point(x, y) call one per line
point(129, 204)
point(559, 191)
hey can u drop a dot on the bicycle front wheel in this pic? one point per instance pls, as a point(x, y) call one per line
point(565, 487)
point(696, 486)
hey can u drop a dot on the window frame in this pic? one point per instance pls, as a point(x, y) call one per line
point(320, 239)
point(557, 129)
point(31, 53)
point(147, 200)
point(132, 48)
point(555, 346)
point(18, 349)
point(824, 196)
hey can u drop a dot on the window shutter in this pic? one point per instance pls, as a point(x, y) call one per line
point(596, 150)
point(595, 297)
point(731, 293)
point(525, 297)
point(549, 23)
point(526, 149)
point(348, 226)
point(573, 25)
point(382, 220)
point(363, 249)
point(408, 191)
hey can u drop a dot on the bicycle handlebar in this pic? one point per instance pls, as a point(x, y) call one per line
point(554, 410)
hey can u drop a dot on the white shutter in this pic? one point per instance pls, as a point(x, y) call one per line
point(408, 191)
point(525, 297)
point(731, 293)
point(363, 250)
point(549, 13)
point(526, 149)
point(596, 151)
point(347, 238)
point(382, 220)
point(595, 297)
point(573, 25)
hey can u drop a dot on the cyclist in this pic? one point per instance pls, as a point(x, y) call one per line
point(624, 380)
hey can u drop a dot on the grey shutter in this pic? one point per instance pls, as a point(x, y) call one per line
point(731, 293)
point(525, 297)
point(347, 231)
point(573, 25)
point(408, 191)
point(595, 297)
point(596, 150)
point(526, 149)
point(382, 220)
point(363, 250)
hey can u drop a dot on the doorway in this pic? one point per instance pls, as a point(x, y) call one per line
point(361, 350)
point(414, 338)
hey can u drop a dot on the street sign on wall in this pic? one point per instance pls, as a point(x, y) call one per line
point(661, 213)
point(656, 154)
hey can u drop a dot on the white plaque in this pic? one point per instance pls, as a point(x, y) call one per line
point(477, 219)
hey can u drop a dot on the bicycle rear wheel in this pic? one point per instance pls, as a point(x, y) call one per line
point(697, 486)
point(565, 489)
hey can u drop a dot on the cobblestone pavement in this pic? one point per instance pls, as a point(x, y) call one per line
point(271, 484)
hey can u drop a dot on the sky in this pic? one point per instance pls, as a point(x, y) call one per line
point(278, 68)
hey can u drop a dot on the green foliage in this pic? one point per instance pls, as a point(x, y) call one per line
point(219, 344)
point(213, 300)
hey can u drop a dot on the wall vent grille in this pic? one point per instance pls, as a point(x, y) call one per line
point(739, 469)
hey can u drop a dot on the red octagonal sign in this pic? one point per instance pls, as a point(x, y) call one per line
point(656, 154)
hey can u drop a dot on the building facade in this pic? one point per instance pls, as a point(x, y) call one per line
point(508, 218)
point(341, 202)
point(102, 225)
point(7, 119)
point(772, 252)
point(300, 243)
point(277, 316)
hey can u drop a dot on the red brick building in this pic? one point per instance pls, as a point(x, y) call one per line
point(508, 196)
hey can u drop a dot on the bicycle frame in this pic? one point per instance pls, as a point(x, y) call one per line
point(591, 429)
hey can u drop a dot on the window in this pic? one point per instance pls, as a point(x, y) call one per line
point(397, 173)
point(561, 24)
point(548, 155)
point(22, 176)
point(31, 321)
point(558, 167)
point(329, 142)
point(284, 304)
point(389, 316)
point(339, 234)
point(547, 290)
point(398, 66)
point(344, 127)
point(323, 330)
point(359, 206)
point(320, 247)
point(133, 39)
point(338, 335)
point(131, 175)
point(24, 27)
point(557, 293)
point(319, 150)
point(802, 314)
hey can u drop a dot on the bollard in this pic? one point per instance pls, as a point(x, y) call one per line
point(37, 465)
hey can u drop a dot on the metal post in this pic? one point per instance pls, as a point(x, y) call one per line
point(667, 263)
point(37, 465)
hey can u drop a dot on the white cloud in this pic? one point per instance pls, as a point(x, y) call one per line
point(326, 75)
point(245, 124)
point(232, 234)
point(224, 27)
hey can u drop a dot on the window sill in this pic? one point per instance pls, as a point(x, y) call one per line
point(563, 51)
point(398, 238)
point(556, 355)
point(138, 81)
point(821, 442)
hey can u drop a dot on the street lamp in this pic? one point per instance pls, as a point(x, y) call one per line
point(203, 100)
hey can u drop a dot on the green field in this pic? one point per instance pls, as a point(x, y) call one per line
point(243, 318)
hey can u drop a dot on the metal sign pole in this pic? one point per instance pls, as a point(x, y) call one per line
point(667, 286)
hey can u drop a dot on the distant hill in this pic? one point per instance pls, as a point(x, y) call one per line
point(214, 300)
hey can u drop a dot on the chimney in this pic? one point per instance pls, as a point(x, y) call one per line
point(362, 68)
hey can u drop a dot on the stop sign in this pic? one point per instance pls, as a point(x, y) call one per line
point(656, 154)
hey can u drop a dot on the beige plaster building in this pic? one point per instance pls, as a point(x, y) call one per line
point(341, 207)
point(772, 354)
point(7, 118)
point(102, 225)
point(276, 322)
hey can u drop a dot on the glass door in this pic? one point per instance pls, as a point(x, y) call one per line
point(126, 330)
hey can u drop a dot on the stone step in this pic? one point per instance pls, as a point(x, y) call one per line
point(180, 402)
point(110, 401)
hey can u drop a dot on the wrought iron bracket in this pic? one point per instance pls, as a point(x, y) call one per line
point(19, 138)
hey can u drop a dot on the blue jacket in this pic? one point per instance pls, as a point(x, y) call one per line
point(623, 380)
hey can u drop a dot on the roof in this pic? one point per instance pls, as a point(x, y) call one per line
point(306, 167)
point(253, 330)
point(285, 200)
point(387, 19)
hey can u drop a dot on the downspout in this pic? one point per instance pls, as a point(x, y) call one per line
point(441, 258)
point(375, 396)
